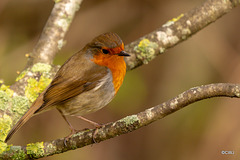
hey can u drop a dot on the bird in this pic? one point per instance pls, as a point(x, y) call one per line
point(85, 83)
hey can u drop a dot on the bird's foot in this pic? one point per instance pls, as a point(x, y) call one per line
point(73, 131)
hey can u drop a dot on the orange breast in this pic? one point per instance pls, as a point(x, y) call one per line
point(118, 72)
point(117, 66)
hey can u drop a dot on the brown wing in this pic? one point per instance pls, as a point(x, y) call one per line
point(73, 78)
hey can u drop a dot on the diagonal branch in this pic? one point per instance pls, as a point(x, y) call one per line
point(38, 72)
point(127, 124)
point(38, 67)
point(176, 30)
point(52, 37)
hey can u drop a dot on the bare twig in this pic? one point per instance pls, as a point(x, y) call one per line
point(52, 37)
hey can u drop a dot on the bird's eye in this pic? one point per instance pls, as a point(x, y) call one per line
point(105, 51)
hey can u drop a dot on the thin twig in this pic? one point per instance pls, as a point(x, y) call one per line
point(52, 37)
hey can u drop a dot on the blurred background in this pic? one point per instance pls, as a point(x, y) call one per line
point(199, 131)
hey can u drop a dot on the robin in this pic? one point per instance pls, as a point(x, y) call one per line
point(85, 83)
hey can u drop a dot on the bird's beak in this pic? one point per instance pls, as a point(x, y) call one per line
point(123, 53)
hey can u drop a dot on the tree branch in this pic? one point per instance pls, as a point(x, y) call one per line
point(52, 37)
point(175, 31)
point(127, 124)
point(38, 72)
point(15, 101)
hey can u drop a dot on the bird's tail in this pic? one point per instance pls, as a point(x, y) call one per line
point(35, 106)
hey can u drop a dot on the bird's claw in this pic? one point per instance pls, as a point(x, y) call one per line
point(73, 131)
point(65, 141)
point(95, 132)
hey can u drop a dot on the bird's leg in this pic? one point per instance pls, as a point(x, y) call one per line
point(73, 131)
point(97, 125)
